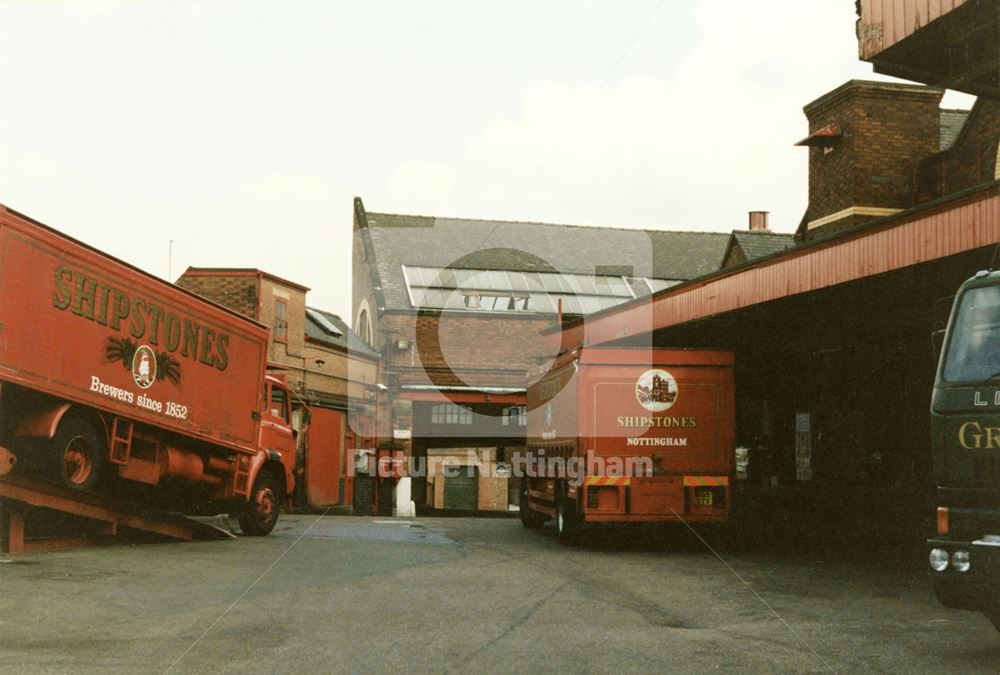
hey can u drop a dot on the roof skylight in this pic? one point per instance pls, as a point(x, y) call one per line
point(511, 291)
point(325, 324)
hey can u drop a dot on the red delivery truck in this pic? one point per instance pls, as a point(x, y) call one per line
point(109, 374)
point(629, 436)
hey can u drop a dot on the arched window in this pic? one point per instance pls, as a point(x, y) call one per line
point(365, 332)
point(363, 326)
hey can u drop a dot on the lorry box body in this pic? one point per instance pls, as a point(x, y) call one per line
point(631, 435)
point(70, 312)
point(172, 384)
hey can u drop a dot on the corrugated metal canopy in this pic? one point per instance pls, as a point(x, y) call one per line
point(921, 234)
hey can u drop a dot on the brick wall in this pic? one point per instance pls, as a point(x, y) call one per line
point(458, 348)
point(238, 292)
point(327, 381)
point(292, 349)
point(362, 290)
point(735, 256)
point(971, 161)
point(887, 130)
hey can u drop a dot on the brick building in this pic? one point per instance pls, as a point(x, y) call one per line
point(832, 335)
point(756, 242)
point(865, 141)
point(969, 156)
point(326, 364)
point(456, 307)
point(877, 149)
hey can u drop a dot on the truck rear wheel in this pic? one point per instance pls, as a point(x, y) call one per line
point(78, 454)
point(261, 512)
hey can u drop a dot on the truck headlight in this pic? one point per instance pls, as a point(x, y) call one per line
point(939, 559)
point(960, 561)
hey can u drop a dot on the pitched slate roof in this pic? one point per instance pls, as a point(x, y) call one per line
point(757, 244)
point(395, 240)
point(347, 339)
point(952, 122)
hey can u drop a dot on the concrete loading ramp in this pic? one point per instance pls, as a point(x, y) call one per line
point(24, 501)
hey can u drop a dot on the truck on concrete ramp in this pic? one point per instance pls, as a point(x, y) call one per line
point(114, 380)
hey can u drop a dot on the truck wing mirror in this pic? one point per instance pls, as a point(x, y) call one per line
point(255, 416)
point(942, 310)
point(937, 344)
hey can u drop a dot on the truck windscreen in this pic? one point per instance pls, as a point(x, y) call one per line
point(974, 349)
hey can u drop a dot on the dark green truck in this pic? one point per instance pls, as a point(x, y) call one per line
point(964, 555)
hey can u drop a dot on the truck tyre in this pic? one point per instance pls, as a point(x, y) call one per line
point(78, 454)
point(532, 520)
point(567, 521)
point(261, 512)
point(995, 618)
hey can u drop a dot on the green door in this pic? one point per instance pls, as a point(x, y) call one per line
point(461, 490)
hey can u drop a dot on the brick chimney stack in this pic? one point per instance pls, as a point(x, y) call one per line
point(758, 221)
point(865, 140)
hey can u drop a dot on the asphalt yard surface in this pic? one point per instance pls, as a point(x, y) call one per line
point(351, 594)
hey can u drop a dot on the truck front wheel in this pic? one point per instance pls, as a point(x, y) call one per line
point(78, 454)
point(261, 512)
point(567, 520)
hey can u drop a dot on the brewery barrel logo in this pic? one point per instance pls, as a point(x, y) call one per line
point(145, 365)
point(656, 390)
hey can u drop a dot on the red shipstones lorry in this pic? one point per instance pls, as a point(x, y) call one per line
point(629, 436)
point(110, 375)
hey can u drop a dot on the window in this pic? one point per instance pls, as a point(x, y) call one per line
point(363, 326)
point(280, 320)
point(451, 413)
point(278, 405)
point(973, 354)
point(323, 322)
point(513, 291)
point(515, 416)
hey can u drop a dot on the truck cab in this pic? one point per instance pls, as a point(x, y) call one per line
point(277, 435)
point(964, 555)
point(272, 470)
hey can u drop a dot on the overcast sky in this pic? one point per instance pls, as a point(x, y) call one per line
point(241, 130)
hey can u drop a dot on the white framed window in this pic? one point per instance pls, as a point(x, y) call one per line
point(451, 413)
point(513, 291)
point(515, 416)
